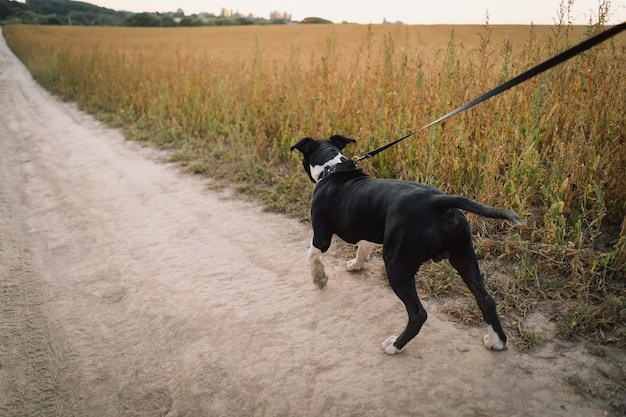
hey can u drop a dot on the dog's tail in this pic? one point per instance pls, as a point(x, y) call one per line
point(444, 202)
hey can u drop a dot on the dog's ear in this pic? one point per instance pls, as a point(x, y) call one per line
point(302, 145)
point(340, 141)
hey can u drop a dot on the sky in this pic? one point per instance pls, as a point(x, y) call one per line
point(406, 11)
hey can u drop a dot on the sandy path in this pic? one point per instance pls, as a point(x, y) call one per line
point(128, 288)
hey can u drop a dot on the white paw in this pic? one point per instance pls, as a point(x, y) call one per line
point(317, 267)
point(320, 278)
point(493, 341)
point(354, 265)
point(388, 346)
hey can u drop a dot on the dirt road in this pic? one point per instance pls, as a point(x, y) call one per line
point(130, 289)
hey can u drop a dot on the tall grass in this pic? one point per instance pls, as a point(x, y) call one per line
point(230, 101)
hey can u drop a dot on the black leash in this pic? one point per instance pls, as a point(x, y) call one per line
point(552, 62)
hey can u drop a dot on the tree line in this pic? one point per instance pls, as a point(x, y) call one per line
point(68, 12)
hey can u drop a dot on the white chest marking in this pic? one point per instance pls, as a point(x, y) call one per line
point(316, 170)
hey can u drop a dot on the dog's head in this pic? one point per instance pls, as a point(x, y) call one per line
point(319, 154)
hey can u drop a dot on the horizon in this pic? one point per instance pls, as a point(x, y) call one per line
point(539, 12)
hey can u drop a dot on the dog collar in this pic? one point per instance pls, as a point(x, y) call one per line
point(344, 166)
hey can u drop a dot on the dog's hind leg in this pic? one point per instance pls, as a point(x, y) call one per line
point(464, 261)
point(364, 249)
point(405, 290)
point(402, 281)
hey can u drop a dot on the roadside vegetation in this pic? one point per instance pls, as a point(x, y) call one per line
point(230, 101)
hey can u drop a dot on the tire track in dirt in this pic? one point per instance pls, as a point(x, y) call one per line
point(27, 367)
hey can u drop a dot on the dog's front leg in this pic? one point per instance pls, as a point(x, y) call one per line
point(364, 249)
point(317, 267)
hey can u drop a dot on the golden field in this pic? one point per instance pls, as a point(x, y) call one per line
point(230, 101)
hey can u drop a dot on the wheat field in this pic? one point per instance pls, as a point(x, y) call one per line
point(230, 101)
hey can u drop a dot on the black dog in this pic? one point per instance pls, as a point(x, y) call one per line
point(413, 222)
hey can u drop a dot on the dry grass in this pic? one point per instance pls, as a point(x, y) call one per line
point(231, 101)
